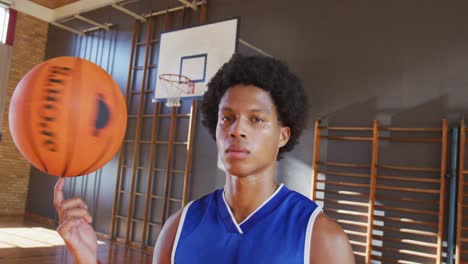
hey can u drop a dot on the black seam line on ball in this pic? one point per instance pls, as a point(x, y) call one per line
point(71, 133)
point(111, 135)
point(31, 141)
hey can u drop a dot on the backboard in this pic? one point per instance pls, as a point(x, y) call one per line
point(196, 53)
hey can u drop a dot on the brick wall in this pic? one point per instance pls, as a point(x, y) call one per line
point(28, 51)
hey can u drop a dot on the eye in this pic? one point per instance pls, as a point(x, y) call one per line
point(226, 118)
point(258, 119)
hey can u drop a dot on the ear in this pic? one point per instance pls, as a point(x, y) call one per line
point(285, 134)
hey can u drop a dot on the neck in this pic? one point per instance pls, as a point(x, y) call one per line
point(245, 194)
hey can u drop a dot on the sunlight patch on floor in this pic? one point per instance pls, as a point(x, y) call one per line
point(30, 237)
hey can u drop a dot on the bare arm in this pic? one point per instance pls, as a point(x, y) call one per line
point(163, 249)
point(75, 226)
point(329, 243)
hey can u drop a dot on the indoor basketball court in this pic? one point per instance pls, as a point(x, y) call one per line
point(115, 97)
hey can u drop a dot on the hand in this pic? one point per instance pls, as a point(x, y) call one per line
point(75, 228)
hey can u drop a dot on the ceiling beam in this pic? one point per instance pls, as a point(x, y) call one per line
point(128, 12)
point(92, 22)
point(187, 3)
point(67, 28)
point(50, 15)
point(34, 10)
point(52, 4)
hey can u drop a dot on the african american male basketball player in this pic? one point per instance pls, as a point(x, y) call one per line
point(255, 109)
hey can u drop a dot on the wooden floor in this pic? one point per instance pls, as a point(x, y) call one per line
point(25, 241)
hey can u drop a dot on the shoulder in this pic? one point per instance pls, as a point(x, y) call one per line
point(327, 239)
point(164, 244)
point(205, 200)
point(297, 199)
point(297, 207)
point(163, 249)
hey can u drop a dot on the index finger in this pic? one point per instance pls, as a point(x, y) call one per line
point(58, 193)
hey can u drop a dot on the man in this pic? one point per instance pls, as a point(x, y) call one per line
point(255, 109)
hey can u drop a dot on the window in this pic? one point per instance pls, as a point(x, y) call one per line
point(4, 18)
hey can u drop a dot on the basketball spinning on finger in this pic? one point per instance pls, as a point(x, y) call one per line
point(67, 117)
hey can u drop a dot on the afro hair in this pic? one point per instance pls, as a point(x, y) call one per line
point(268, 74)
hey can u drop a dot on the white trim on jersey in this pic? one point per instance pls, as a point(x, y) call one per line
point(232, 215)
point(263, 204)
point(179, 230)
point(308, 236)
point(256, 210)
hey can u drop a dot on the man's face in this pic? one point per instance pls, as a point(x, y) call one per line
point(249, 133)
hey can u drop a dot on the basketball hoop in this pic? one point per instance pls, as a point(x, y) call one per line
point(174, 85)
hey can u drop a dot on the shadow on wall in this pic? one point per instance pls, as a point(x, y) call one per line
point(427, 114)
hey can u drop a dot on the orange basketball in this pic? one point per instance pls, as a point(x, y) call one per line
point(67, 117)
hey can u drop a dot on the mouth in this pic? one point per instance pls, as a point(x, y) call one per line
point(236, 152)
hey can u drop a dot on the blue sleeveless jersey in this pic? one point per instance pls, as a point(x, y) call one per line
point(279, 231)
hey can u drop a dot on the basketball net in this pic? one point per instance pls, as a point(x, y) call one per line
point(174, 85)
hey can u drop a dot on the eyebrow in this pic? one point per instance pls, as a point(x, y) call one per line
point(255, 110)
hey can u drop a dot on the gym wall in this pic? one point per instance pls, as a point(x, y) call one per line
point(5, 54)
point(28, 51)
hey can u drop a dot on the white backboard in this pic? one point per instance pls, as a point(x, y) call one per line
point(196, 53)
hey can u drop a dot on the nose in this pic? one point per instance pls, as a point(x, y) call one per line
point(238, 129)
